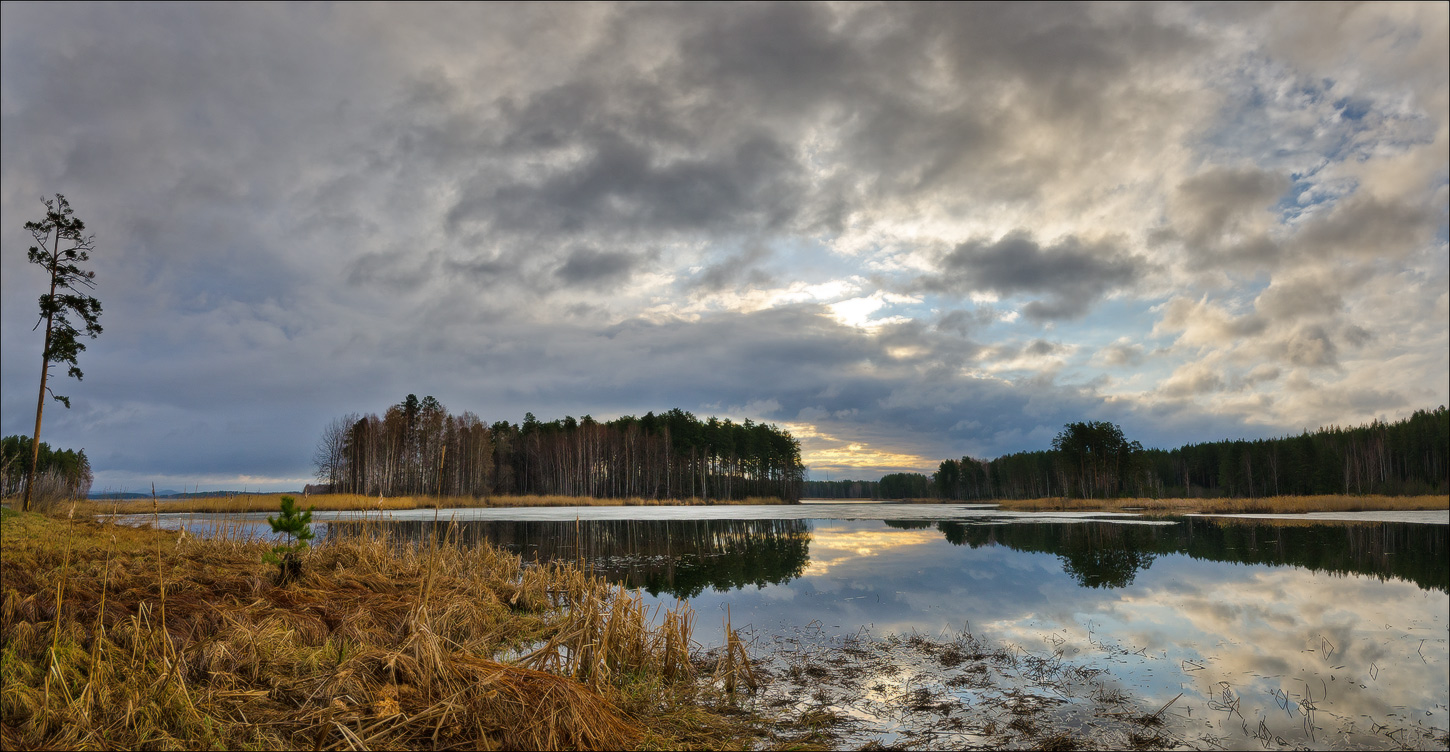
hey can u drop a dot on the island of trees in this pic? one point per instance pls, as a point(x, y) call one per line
point(418, 448)
point(1095, 459)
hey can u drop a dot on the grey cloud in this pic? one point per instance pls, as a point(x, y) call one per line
point(484, 269)
point(1298, 298)
point(587, 266)
point(699, 131)
point(397, 271)
point(1217, 198)
point(1074, 276)
point(1221, 214)
point(1367, 227)
point(963, 323)
point(1357, 336)
point(1311, 346)
point(1193, 379)
point(1121, 354)
point(1262, 373)
point(1043, 347)
point(736, 269)
point(621, 187)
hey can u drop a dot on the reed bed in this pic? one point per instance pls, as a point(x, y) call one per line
point(1260, 505)
point(242, 503)
point(119, 637)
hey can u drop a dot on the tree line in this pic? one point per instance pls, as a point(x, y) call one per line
point(1409, 456)
point(1094, 459)
point(892, 486)
point(59, 473)
point(418, 448)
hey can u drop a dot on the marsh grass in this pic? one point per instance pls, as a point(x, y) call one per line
point(243, 503)
point(1261, 505)
point(120, 637)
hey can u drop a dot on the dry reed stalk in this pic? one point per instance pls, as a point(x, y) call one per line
point(100, 628)
point(677, 644)
point(734, 668)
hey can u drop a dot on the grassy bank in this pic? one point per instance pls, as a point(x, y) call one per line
point(355, 502)
point(119, 637)
point(1262, 505)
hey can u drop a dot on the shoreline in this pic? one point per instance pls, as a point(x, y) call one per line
point(1150, 507)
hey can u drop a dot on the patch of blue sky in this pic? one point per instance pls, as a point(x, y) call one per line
point(1305, 193)
point(811, 260)
point(1352, 108)
point(1262, 122)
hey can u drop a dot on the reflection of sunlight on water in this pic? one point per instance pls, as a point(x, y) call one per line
point(833, 545)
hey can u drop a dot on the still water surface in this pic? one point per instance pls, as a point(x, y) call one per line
point(1276, 632)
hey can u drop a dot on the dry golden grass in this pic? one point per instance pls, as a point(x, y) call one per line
point(354, 502)
point(118, 637)
point(1262, 505)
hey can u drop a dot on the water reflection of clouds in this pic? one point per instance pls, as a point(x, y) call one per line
point(1256, 627)
point(1350, 644)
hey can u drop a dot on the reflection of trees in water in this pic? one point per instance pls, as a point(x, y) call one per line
point(1096, 554)
point(1105, 554)
point(679, 557)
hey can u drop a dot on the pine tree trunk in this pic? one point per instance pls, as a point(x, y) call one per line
point(40, 400)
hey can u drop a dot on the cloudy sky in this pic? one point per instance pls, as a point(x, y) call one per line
point(905, 232)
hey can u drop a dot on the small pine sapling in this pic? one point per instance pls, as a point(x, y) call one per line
point(297, 526)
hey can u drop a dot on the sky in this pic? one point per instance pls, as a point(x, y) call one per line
point(902, 232)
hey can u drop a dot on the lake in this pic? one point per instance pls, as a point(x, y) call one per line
point(1250, 632)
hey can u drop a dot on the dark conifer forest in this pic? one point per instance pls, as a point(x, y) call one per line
point(418, 448)
point(60, 473)
point(1095, 459)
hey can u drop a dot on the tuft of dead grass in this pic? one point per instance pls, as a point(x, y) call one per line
point(119, 637)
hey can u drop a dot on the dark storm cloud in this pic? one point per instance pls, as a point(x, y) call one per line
point(1073, 276)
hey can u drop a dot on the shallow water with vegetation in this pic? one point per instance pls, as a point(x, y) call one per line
point(1248, 633)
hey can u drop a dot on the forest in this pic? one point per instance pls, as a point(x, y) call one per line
point(60, 474)
point(1094, 459)
point(418, 448)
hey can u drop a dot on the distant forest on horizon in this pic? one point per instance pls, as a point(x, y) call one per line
point(1406, 457)
point(418, 448)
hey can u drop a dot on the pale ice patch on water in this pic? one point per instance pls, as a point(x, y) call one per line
point(975, 513)
point(1420, 516)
